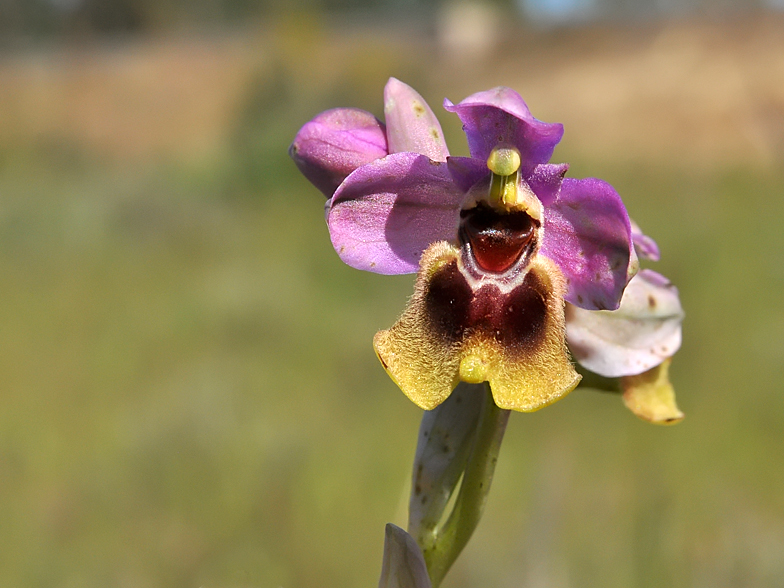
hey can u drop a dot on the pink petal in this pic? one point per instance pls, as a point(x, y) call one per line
point(387, 212)
point(501, 116)
point(335, 143)
point(411, 124)
point(587, 233)
point(643, 332)
point(645, 247)
point(546, 179)
point(467, 171)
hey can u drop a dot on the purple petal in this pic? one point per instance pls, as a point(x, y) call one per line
point(335, 143)
point(645, 247)
point(387, 212)
point(546, 179)
point(467, 171)
point(587, 233)
point(501, 116)
point(411, 124)
point(502, 97)
point(642, 333)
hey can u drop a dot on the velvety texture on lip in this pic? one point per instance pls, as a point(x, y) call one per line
point(513, 340)
point(516, 320)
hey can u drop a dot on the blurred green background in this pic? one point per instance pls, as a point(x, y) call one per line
point(189, 393)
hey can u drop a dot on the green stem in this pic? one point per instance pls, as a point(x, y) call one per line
point(470, 502)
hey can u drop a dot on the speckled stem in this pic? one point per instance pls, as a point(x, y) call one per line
point(470, 502)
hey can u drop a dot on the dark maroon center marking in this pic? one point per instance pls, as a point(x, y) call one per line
point(448, 303)
point(496, 240)
point(516, 320)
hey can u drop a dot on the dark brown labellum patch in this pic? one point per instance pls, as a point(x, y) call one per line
point(523, 318)
point(496, 241)
point(447, 303)
point(517, 320)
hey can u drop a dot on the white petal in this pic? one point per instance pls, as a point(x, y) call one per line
point(643, 332)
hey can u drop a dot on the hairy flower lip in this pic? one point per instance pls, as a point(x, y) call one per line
point(510, 336)
point(396, 203)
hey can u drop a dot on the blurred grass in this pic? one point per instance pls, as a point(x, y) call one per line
point(190, 396)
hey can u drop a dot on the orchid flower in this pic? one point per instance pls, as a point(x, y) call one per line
point(513, 260)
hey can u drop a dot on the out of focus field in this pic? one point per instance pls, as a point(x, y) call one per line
point(189, 395)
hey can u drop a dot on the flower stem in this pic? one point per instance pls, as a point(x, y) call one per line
point(470, 502)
